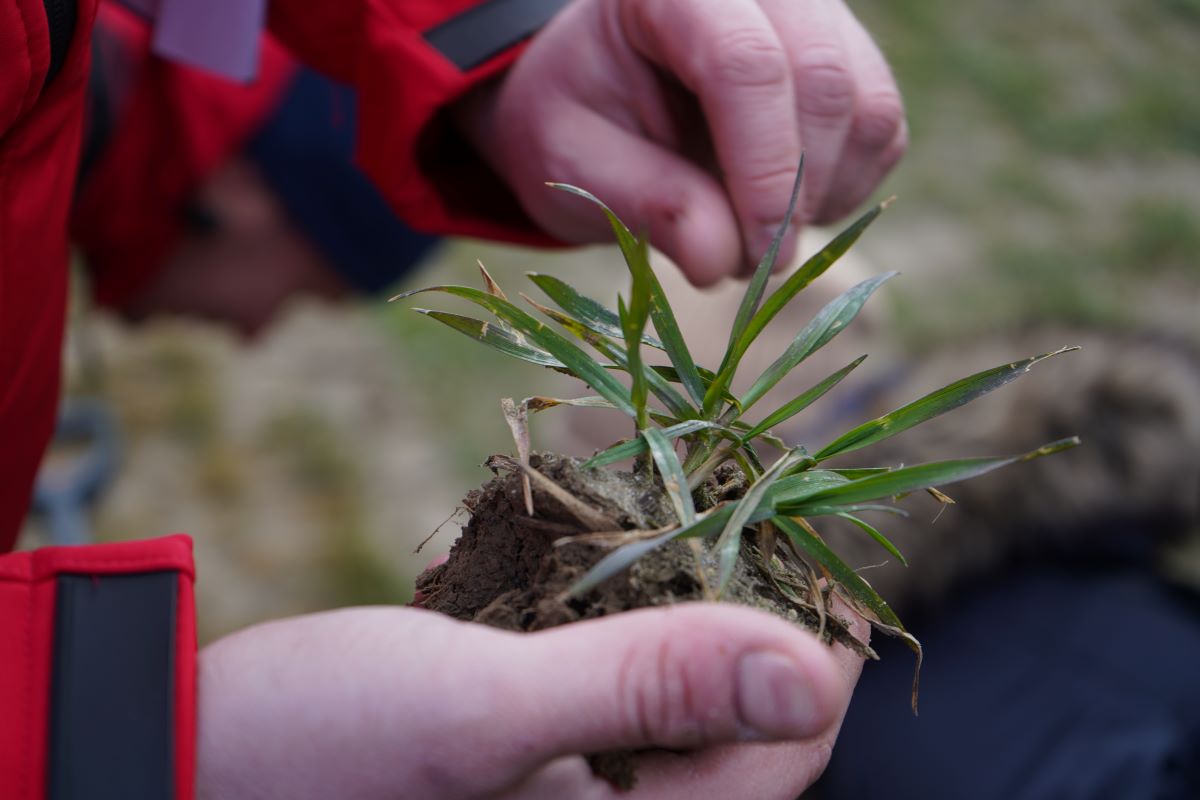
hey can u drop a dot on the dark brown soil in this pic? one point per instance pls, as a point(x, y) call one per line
point(511, 571)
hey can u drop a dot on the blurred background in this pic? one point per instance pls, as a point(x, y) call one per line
point(1053, 181)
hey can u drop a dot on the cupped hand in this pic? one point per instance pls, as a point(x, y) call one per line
point(405, 703)
point(688, 117)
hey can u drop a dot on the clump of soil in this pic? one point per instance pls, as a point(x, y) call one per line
point(511, 570)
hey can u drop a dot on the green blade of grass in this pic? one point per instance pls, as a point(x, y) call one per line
point(755, 462)
point(765, 436)
point(931, 405)
point(729, 544)
point(874, 533)
point(859, 508)
point(808, 272)
point(663, 390)
point(857, 591)
point(665, 324)
point(801, 402)
point(855, 473)
point(493, 288)
point(623, 557)
point(495, 337)
point(588, 311)
point(817, 550)
point(909, 479)
point(635, 447)
point(828, 323)
point(633, 324)
point(794, 488)
point(750, 301)
point(706, 377)
point(580, 363)
point(674, 481)
point(633, 321)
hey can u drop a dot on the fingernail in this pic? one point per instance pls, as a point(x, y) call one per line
point(774, 698)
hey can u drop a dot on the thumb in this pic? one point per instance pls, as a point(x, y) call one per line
point(682, 677)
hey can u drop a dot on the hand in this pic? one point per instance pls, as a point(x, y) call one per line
point(400, 702)
point(688, 118)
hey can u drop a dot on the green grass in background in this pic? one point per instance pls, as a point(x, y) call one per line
point(1058, 143)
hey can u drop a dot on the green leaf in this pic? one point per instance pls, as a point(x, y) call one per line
point(795, 488)
point(633, 322)
point(706, 377)
point(801, 402)
point(874, 533)
point(674, 481)
point(828, 323)
point(749, 305)
point(908, 479)
point(808, 272)
point(577, 361)
point(584, 309)
point(495, 337)
point(766, 436)
point(635, 447)
point(674, 401)
point(931, 405)
point(855, 473)
point(755, 463)
point(663, 317)
point(493, 288)
point(834, 510)
point(729, 544)
point(816, 549)
point(623, 557)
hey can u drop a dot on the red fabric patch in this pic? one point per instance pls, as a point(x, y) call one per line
point(27, 596)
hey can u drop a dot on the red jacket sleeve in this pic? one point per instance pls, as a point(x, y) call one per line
point(182, 123)
point(97, 673)
point(431, 176)
point(40, 127)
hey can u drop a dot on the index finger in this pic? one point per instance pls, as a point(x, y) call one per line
point(727, 53)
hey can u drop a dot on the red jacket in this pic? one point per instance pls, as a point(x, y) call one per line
point(184, 123)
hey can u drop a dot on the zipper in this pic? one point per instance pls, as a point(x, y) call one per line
point(60, 21)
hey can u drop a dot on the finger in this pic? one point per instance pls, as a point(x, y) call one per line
point(683, 209)
point(727, 53)
point(776, 771)
point(683, 677)
point(878, 135)
point(825, 87)
point(755, 771)
point(568, 777)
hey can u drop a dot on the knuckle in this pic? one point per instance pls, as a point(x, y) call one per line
point(770, 185)
point(826, 82)
point(747, 57)
point(659, 695)
point(879, 120)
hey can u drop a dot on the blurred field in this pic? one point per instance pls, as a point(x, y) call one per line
point(1054, 175)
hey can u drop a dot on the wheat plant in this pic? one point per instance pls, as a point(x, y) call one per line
point(688, 421)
